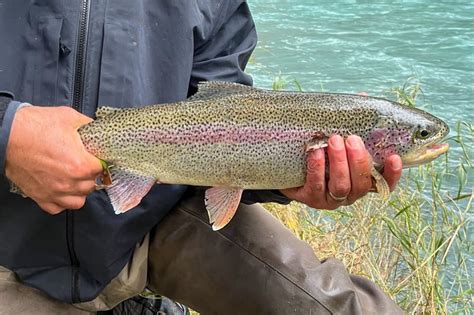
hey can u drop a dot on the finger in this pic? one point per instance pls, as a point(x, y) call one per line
point(71, 202)
point(96, 167)
point(84, 167)
point(81, 119)
point(71, 187)
point(392, 171)
point(292, 193)
point(359, 166)
point(339, 185)
point(85, 187)
point(91, 166)
point(51, 208)
point(315, 184)
point(72, 117)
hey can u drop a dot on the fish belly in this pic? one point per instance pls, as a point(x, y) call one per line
point(250, 166)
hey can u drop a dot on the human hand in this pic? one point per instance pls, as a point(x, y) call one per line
point(47, 160)
point(349, 174)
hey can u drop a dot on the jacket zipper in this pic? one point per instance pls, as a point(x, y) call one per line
point(80, 66)
point(77, 100)
point(75, 293)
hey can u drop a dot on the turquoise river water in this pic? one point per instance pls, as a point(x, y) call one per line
point(374, 46)
point(351, 46)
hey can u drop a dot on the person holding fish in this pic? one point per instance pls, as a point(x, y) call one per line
point(64, 249)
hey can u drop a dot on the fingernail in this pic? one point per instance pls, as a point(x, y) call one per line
point(396, 164)
point(337, 142)
point(355, 142)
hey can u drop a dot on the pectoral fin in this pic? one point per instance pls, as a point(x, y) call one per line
point(319, 140)
point(106, 177)
point(221, 204)
point(127, 189)
point(381, 184)
point(315, 146)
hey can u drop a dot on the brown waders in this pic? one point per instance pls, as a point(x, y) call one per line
point(252, 266)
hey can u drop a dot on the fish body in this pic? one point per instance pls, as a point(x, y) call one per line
point(233, 137)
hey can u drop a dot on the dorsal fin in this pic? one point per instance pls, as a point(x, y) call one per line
point(105, 111)
point(212, 89)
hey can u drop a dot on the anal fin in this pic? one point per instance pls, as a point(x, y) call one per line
point(221, 204)
point(127, 189)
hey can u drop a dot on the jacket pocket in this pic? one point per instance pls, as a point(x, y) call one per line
point(46, 54)
point(121, 84)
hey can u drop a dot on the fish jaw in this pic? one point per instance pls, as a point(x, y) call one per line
point(427, 155)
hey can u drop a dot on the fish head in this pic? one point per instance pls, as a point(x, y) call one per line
point(409, 132)
point(426, 144)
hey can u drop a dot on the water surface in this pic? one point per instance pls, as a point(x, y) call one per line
point(351, 46)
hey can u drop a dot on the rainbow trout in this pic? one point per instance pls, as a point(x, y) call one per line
point(233, 137)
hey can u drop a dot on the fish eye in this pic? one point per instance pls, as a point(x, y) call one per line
point(423, 133)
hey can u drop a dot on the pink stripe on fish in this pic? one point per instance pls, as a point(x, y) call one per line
point(218, 134)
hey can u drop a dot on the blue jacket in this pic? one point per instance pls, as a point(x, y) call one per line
point(119, 53)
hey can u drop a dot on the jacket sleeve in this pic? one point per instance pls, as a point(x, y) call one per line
point(221, 54)
point(8, 108)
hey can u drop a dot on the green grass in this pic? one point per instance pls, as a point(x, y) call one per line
point(418, 247)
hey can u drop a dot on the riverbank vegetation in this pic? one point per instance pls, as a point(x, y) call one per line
point(416, 246)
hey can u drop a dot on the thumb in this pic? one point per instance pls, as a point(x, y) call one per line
point(95, 164)
point(82, 120)
point(77, 120)
point(74, 118)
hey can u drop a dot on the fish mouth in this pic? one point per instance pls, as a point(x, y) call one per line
point(430, 153)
